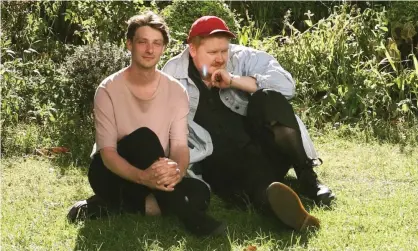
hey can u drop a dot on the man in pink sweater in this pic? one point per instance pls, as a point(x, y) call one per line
point(140, 156)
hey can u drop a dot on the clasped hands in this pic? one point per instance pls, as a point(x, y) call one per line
point(164, 174)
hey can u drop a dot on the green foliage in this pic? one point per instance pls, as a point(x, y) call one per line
point(351, 68)
point(57, 98)
point(23, 139)
point(29, 90)
point(46, 26)
point(103, 21)
point(347, 72)
point(268, 15)
point(181, 14)
point(30, 25)
point(403, 19)
point(84, 70)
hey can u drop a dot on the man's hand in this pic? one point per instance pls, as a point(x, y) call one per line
point(221, 79)
point(168, 173)
point(150, 177)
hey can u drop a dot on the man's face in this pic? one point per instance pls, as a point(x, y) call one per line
point(146, 47)
point(210, 55)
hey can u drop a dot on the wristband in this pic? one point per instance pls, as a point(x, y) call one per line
point(230, 80)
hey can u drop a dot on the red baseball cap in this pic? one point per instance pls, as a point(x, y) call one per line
point(208, 25)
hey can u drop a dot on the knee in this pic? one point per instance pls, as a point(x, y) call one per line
point(281, 132)
point(143, 134)
point(266, 105)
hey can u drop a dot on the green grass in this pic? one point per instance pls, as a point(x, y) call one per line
point(376, 185)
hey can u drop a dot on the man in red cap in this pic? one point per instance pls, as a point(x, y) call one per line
point(244, 135)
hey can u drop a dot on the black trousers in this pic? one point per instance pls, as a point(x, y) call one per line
point(242, 176)
point(141, 148)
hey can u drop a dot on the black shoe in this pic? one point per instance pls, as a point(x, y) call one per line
point(205, 225)
point(92, 208)
point(312, 188)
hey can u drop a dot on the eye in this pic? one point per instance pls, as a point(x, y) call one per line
point(158, 44)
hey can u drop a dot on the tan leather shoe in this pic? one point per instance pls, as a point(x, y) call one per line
point(288, 208)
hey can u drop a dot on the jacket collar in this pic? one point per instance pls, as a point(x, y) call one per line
point(182, 67)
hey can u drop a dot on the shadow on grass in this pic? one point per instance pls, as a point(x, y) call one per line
point(136, 232)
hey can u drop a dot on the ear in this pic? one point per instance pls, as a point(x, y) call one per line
point(129, 44)
point(192, 50)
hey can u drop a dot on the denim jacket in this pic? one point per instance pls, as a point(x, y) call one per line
point(242, 61)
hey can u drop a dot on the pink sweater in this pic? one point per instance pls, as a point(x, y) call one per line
point(118, 112)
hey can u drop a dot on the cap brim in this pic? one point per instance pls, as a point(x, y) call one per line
point(232, 35)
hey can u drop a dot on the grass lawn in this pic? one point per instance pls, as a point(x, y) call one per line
point(377, 209)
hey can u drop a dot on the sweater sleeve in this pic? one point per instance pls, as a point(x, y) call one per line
point(178, 128)
point(104, 118)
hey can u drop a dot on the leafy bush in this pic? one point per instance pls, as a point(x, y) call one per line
point(103, 21)
point(84, 70)
point(58, 99)
point(47, 26)
point(403, 20)
point(347, 72)
point(181, 14)
point(29, 91)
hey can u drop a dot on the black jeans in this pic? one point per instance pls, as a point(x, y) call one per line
point(242, 176)
point(141, 148)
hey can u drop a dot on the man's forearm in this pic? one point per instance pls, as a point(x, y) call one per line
point(245, 83)
point(180, 154)
point(118, 165)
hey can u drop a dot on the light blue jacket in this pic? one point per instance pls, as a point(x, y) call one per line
point(243, 61)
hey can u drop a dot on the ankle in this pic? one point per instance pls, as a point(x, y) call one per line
point(151, 206)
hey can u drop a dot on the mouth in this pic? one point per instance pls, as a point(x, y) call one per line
point(218, 66)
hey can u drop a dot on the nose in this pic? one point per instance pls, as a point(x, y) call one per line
point(219, 58)
point(149, 48)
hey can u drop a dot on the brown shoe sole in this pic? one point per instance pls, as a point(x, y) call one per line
point(288, 208)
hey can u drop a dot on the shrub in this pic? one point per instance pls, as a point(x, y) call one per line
point(403, 20)
point(84, 70)
point(29, 91)
point(347, 72)
point(103, 21)
point(181, 14)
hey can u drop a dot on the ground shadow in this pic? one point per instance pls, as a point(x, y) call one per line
point(136, 232)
